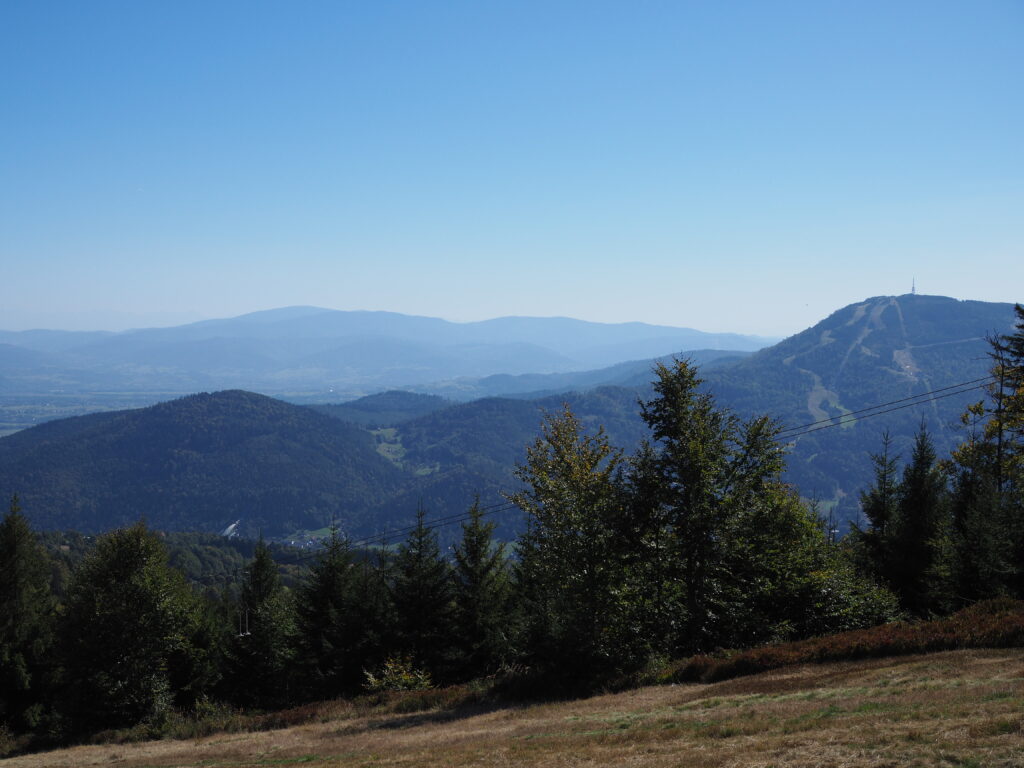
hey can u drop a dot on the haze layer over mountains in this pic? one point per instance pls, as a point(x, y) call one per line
point(307, 350)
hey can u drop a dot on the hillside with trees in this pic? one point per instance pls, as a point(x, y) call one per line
point(877, 360)
point(197, 463)
point(689, 544)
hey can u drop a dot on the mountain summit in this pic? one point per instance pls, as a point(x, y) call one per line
point(878, 352)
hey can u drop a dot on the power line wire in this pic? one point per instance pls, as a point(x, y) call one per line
point(786, 434)
point(435, 523)
point(976, 383)
point(844, 419)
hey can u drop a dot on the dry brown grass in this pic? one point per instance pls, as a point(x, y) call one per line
point(995, 623)
point(959, 708)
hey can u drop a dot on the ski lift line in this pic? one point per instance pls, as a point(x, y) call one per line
point(844, 419)
point(439, 520)
point(246, 632)
point(791, 432)
point(452, 518)
point(438, 523)
point(878, 413)
point(976, 383)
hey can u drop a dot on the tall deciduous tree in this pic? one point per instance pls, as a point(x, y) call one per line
point(26, 621)
point(127, 633)
point(570, 576)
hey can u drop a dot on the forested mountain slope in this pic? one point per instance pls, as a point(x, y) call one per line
point(384, 409)
point(631, 373)
point(879, 351)
point(203, 461)
point(199, 463)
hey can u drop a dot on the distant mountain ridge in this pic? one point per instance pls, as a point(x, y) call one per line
point(307, 350)
point(631, 373)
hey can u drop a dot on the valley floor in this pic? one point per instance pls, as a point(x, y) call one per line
point(961, 708)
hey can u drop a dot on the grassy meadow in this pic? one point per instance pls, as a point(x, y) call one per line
point(955, 708)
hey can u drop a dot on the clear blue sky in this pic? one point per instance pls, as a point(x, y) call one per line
point(729, 166)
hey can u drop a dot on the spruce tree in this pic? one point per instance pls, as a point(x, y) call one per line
point(645, 539)
point(710, 470)
point(873, 544)
point(26, 622)
point(917, 530)
point(421, 592)
point(987, 471)
point(370, 634)
point(1008, 429)
point(261, 653)
point(325, 620)
point(481, 597)
point(262, 581)
point(981, 550)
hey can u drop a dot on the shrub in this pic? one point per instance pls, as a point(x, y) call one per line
point(397, 674)
point(997, 623)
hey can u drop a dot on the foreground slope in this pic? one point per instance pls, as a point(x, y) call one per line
point(959, 708)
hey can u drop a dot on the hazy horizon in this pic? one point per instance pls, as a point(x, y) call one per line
point(118, 322)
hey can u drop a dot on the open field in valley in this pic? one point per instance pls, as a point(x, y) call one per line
point(958, 708)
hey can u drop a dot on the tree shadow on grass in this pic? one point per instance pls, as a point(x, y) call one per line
point(401, 721)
